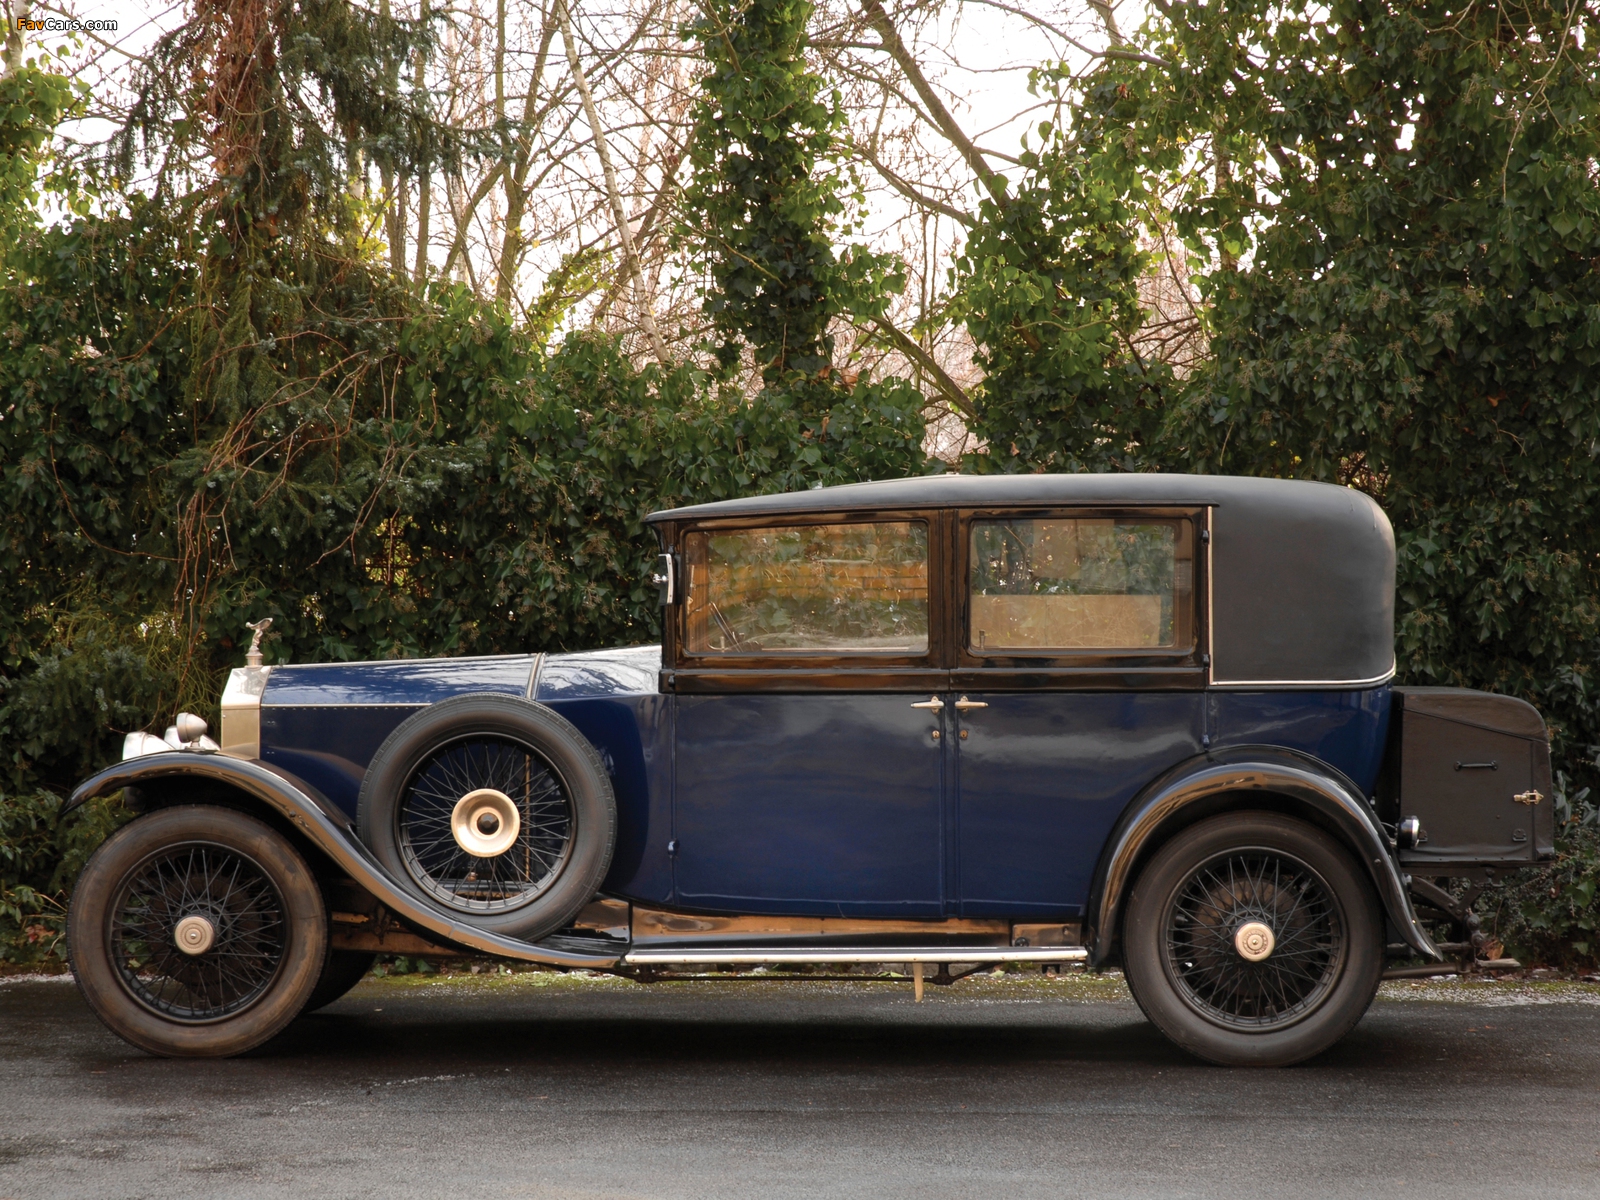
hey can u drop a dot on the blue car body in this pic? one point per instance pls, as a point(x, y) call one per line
point(756, 821)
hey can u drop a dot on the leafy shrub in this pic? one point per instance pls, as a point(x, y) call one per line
point(1548, 915)
point(41, 854)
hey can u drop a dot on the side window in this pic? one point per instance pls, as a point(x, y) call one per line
point(858, 588)
point(1045, 584)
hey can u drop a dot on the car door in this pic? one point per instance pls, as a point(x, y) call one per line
point(1079, 679)
point(809, 760)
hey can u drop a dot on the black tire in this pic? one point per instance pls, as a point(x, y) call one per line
point(343, 970)
point(1191, 978)
point(530, 756)
point(245, 883)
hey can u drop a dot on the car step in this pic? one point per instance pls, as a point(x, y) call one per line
point(1432, 970)
point(773, 956)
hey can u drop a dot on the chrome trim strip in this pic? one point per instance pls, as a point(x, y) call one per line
point(389, 662)
point(363, 704)
point(874, 954)
point(533, 676)
point(1375, 681)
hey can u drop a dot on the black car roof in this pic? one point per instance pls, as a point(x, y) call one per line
point(1302, 573)
point(938, 491)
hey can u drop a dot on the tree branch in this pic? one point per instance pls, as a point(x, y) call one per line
point(909, 192)
point(630, 255)
point(949, 388)
point(884, 27)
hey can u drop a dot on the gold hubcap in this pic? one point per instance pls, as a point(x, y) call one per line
point(1254, 941)
point(485, 823)
point(194, 935)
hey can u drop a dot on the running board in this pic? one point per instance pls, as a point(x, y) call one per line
point(778, 956)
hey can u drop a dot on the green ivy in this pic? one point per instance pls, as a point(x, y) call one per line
point(1048, 286)
point(767, 195)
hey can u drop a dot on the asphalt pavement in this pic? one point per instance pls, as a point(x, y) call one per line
point(547, 1086)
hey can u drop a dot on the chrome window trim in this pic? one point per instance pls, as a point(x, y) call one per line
point(1375, 681)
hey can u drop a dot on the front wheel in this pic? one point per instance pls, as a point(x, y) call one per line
point(1252, 939)
point(197, 931)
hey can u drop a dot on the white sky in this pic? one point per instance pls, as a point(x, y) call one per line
point(997, 54)
point(989, 86)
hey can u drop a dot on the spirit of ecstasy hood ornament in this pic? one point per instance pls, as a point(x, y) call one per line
point(252, 656)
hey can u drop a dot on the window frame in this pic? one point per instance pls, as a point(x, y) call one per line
point(1156, 662)
point(803, 669)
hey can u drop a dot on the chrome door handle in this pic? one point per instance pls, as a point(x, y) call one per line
point(963, 704)
point(932, 705)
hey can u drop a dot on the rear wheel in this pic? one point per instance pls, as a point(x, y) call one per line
point(197, 931)
point(1252, 939)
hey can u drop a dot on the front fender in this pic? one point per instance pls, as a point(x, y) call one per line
point(330, 830)
point(1213, 784)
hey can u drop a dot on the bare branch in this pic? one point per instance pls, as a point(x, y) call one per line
point(879, 20)
point(624, 234)
point(948, 388)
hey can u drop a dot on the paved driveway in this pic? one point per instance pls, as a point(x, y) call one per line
point(539, 1086)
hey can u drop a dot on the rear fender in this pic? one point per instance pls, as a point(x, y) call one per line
point(1242, 778)
point(327, 828)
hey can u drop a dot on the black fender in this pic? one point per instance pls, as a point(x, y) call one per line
point(1217, 782)
point(327, 828)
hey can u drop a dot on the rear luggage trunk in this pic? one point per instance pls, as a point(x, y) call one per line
point(1474, 769)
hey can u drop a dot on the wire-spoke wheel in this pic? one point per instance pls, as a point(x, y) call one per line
point(1247, 891)
point(452, 873)
point(197, 930)
point(494, 810)
point(222, 899)
point(1253, 939)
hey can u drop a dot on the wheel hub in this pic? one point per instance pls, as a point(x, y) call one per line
point(194, 935)
point(485, 823)
point(1254, 941)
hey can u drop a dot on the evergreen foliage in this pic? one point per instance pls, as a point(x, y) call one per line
point(200, 428)
point(767, 195)
point(1048, 286)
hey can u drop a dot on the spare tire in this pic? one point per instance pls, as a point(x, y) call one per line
point(493, 810)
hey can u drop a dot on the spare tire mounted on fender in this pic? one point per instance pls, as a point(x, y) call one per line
point(492, 809)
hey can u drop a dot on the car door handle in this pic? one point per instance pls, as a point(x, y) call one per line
point(932, 705)
point(963, 704)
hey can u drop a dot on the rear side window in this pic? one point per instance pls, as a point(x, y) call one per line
point(1042, 584)
point(859, 588)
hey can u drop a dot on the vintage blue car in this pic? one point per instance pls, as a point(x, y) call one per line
point(1135, 720)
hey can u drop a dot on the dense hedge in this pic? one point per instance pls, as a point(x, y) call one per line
point(384, 473)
